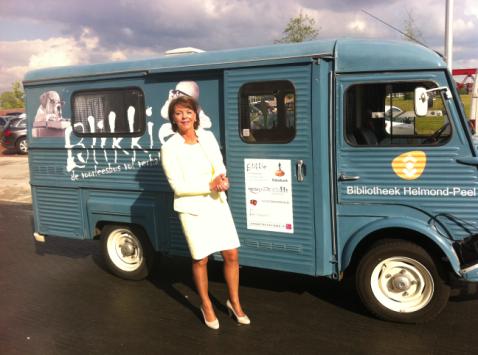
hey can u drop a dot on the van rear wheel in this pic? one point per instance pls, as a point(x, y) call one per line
point(399, 281)
point(127, 251)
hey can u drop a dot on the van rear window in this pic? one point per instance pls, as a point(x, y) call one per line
point(111, 112)
point(267, 112)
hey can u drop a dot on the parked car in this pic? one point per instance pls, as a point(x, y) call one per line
point(392, 109)
point(15, 135)
point(4, 122)
point(400, 127)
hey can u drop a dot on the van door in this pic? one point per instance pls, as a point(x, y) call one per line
point(394, 166)
point(269, 156)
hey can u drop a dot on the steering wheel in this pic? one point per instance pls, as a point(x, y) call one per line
point(437, 134)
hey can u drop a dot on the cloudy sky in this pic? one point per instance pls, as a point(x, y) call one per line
point(35, 34)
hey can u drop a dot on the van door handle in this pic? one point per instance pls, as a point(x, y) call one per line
point(343, 177)
point(300, 167)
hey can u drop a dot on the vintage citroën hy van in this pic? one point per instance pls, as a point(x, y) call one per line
point(345, 156)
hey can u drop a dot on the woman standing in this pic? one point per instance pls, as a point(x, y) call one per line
point(195, 170)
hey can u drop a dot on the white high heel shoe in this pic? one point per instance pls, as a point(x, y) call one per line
point(212, 324)
point(241, 320)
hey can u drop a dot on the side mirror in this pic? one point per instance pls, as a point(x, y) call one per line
point(421, 101)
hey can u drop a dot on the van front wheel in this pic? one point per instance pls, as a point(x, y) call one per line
point(127, 251)
point(399, 281)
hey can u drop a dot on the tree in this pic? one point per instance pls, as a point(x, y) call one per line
point(13, 98)
point(299, 29)
point(411, 30)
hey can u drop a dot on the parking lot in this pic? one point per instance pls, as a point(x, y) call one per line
point(57, 298)
point(14, 185)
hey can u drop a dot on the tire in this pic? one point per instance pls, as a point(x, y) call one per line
point(21, 145)
point(399, 281)
point(127, 251)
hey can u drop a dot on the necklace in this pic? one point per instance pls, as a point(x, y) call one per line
point(188, 139)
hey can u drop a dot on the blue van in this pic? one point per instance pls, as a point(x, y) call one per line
point(326, 179)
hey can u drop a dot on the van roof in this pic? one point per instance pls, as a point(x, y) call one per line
point(351, 55)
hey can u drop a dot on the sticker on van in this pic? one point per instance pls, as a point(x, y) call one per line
point(410, 165)
point(268, 185)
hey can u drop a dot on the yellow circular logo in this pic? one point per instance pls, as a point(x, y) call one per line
point(410, 165)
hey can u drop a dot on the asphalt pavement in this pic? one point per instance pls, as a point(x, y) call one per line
point(58, 298)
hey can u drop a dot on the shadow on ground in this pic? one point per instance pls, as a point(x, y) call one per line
point(171, 271)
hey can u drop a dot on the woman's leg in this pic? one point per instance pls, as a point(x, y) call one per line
point(201, 281)
point(231, 274)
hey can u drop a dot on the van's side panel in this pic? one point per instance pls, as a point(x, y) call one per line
point(60, 212)
point(81, 183)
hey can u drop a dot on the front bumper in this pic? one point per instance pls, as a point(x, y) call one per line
point(470, 273)
point(8, 143)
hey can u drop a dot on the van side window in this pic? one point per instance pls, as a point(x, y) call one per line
point(267, 112)
point(383, 115)
point(112, 112)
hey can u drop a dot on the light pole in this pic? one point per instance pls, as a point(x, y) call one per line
point(449, 33)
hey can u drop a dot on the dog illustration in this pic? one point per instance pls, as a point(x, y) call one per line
point(48, 121)
point(50, 107)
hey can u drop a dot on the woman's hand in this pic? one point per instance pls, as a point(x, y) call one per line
point(224, 183)
point(220, 183)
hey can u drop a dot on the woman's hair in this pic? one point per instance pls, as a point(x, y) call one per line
point(186, 101)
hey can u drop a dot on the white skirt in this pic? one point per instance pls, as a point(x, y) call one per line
point(211, 231)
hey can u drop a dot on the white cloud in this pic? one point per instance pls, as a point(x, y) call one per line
point(18, 57)
point(9, 75)
point(56, 52)
point(29, 55)
point(89, 40)
point(334, 25)
point(461, 26)
point(357, 26)
point(471, 8)
point(214, 8)
point(118, 55)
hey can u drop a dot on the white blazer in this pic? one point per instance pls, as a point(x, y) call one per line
point(190, 194)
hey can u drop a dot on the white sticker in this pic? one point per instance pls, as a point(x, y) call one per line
point(269, 195)
point(246, 132)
